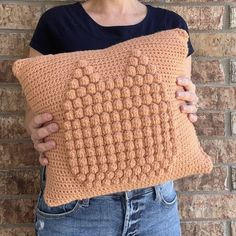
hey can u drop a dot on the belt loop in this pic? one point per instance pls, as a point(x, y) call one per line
point(126, 196)
point(85, 201)
point(157, 192)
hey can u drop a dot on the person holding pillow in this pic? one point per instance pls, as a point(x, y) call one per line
point(97, 24)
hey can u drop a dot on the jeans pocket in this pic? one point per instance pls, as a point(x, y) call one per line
point(168, 194)
point(63, 210)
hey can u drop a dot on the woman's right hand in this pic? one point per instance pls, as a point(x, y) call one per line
point(39, 130)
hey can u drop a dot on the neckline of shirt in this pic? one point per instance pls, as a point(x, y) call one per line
point(104, 27)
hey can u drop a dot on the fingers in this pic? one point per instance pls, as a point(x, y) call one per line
point(187, 96)
point(40, 130)
point(186, 83)
point(40, 119)
point(40, 133)
point(188, 108)
point(192, 117)
point(42, 159)
point(44, 147)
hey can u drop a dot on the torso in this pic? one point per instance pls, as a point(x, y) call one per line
point(71, 28)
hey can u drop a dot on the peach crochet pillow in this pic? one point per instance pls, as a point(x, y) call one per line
point(120, 127)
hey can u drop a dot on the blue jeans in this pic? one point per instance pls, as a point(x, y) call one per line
point(151, 211)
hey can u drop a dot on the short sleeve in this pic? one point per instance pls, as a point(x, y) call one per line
point(174, 20)
point(183, 25)
point(44, 38)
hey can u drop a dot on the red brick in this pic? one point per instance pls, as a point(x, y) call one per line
point(216, 181)
point(6, 74)
point(221, 150)
point(12, 99)
point(14, 211)
point(12, 127)
point(207, 206)
point(207, 228)
point(20, 231)
point(217, 98)
point(19, 16)
point(18, 155)
point(210, 123)
point(207, 72)
point(15, 182)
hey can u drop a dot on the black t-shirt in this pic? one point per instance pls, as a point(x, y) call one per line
point(69, 28)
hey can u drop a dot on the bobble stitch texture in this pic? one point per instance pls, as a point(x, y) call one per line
point(122, 107)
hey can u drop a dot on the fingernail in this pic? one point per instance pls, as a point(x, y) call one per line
point(54, 127)
point(49, 116)
point(52, 143)
point(179, 94)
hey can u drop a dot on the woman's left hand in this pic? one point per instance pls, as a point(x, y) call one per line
point(189, 95)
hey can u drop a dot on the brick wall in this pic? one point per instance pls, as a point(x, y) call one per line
point(207, 203)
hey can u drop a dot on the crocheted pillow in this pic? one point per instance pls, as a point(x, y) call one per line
point(120, 126)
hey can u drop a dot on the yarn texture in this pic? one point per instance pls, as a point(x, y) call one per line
point(120, 126)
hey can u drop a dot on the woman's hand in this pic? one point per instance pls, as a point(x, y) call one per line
point(189, 95)
point(38, 133)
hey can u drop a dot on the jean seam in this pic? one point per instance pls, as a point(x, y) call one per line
point(59, 215)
